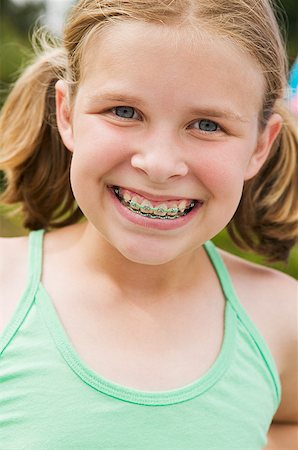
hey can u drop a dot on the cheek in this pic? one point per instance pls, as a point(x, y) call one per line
point(221, 170)
point(220, 173)
point(99, 147)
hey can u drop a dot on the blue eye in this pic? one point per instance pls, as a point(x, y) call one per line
point(126, 112)
point(207, 125)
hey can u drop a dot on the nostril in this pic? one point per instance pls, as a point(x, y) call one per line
point(182, 169)
point(159, 169)
point(138, 162)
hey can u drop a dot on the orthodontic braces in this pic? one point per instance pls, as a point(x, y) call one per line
point(150, 209)
point(135, 207)
point(154, 216)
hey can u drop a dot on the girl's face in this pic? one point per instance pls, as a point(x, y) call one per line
point(164, 131)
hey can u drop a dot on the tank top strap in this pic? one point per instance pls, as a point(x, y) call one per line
point(34, 270)
point(231, 296)
point(222, 274)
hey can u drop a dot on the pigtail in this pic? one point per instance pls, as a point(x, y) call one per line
point(33, 157)
point(266, 220)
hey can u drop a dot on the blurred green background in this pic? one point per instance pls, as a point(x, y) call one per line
point(16, 23)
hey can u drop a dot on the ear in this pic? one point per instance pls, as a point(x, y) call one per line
point(263, 147)
point(63, 114)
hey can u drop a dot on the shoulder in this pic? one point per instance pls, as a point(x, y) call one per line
point(269, 296)
point(13, 249)
point(13, 272)
point(270, 285)
point(270, 299)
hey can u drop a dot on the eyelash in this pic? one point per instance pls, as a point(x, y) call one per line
point(199, 121)
point(113, 110)
point(218, 128)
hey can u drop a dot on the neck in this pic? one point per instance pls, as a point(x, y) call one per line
point(140, 280)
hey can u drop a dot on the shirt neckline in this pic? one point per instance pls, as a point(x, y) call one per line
point(153, 398)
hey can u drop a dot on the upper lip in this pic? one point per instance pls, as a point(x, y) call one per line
point(154, 197)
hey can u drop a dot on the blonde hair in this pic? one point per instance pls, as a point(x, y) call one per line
point(36, 162)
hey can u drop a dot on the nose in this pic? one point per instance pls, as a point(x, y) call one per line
point(160, 161)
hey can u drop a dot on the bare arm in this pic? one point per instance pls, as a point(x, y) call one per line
point(282, 436)
point(283, 433)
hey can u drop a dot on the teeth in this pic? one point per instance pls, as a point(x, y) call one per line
point(182, 206)
point(161, 210)
point(173, 210)
point(134, 203)
point(127, 197)
point(146, 206)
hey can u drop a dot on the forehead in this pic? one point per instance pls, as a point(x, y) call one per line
point(168, 58)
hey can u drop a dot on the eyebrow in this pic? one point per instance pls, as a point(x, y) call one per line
point(219, 113)
point(225, 113)
point(114, 97)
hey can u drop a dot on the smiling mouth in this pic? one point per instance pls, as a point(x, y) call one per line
point(166, 210)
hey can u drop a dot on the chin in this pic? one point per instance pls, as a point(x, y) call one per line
point(151, 256)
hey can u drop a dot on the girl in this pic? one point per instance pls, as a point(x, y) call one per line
point(129, 329)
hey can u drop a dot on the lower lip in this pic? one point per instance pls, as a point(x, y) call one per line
point(147, 222)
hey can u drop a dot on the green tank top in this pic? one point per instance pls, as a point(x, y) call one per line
point(51, 400)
